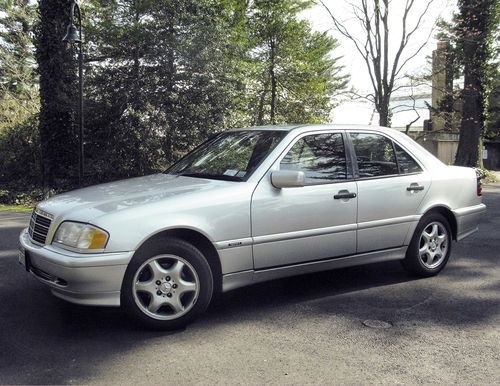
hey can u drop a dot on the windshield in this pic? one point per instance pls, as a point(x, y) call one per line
point(231, 156)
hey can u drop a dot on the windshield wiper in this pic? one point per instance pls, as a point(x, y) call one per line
point(222, 177)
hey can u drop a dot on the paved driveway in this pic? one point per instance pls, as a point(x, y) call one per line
point(307, 329)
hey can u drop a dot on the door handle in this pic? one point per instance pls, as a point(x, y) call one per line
point(414, 187)
point(343, 194)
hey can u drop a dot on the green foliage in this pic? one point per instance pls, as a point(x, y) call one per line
point(18, 84)
point(493, 116)
point(19, 103)
point(20, 174)
point(293, 77)
point(493, 113)
point(160, 77)
point(158, 82)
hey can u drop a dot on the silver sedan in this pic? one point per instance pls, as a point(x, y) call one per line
point(251, 205)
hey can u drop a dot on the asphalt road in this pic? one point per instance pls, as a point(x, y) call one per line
point(307, 329)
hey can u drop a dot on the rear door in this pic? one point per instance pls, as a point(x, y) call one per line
point(391, 185)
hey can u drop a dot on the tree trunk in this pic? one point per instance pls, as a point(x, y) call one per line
point(273, 83)
point(262, 99)
point(470, 130)
point(383, 111)
point(137, 63)
point(169, 80)
point(58, 90)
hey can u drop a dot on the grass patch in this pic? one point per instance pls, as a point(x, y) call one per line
point(15, 208)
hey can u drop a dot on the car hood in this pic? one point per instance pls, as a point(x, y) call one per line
point(91, 202)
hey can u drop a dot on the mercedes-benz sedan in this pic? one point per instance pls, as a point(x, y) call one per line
point(251, 205)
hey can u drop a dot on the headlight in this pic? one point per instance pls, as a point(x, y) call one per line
point(80, 236)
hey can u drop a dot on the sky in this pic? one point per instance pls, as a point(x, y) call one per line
point(351, 59)
point(362, 112)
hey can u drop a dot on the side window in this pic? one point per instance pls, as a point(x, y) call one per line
point(406, 162)
point(320, 156)
point(374, 154)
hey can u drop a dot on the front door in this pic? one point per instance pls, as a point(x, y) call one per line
point(313, 222)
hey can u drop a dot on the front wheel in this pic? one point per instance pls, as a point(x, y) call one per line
point(167, 283)
point(430, 247)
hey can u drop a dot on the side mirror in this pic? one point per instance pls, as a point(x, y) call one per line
point(287, 179)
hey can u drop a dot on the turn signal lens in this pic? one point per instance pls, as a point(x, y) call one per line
point(81, 236)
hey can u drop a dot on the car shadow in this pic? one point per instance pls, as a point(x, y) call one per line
point(381, 291)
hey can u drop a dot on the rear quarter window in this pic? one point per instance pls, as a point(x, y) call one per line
point(406, 163)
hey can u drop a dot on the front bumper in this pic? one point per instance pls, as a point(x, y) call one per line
point(90, 279)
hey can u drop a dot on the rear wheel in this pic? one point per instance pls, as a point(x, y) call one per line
point(430, 247)
point(168, 282)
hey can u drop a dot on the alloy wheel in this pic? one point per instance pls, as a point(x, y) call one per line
point(433, 245)
point(166, 287)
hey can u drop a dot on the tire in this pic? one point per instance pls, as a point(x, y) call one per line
point(167, 284)
point(430, 246)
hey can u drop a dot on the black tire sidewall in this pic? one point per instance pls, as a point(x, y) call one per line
point(412, 262)
point(175, 247)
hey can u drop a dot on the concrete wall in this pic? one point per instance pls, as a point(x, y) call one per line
point(443, 145)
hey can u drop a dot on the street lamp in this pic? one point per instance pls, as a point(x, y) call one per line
point(75, 36)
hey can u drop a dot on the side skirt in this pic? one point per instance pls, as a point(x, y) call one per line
point(241, 279)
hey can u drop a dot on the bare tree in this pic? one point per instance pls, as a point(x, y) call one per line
point(415, 81)
point(373, 45)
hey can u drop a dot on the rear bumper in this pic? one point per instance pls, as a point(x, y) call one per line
point(93, 279)
point(468, 219)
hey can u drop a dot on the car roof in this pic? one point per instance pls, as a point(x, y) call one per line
point(311, 127)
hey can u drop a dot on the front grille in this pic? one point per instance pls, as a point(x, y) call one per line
point(39, 227)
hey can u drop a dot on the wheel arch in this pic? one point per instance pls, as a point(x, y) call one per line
point(448, 215)
point(198, 240)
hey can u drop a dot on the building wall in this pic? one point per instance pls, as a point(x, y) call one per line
point(443, 145)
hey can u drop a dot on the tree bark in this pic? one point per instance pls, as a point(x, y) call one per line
point(58, 89)
point(262, 99)
point(470, 130)
point(383, 111)
point(169, 98)
point(273, 82)
point(477, 26)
